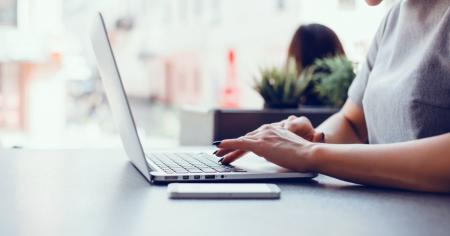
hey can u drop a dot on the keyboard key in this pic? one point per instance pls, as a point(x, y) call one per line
point(201, 166)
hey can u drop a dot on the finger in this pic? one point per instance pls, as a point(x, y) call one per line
point(222, 152)
point(292, 117)
point(288, 121)
point(233, 156)
point(298, 127)
point(300, 121)
point(241, 143)
point(302, 127)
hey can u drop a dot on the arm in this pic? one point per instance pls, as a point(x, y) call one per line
point(346, 126)
point(422, 164)
point(417, 165)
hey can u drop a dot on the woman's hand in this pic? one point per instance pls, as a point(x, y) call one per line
point(300, 126)
point(275, 144)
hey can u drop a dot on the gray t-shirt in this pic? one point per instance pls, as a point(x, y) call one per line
point(404, 84)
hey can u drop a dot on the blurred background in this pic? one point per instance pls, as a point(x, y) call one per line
point(171, 54)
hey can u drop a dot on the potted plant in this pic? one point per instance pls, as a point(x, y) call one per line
point(280, 87)
point(323, 84)
point(328, 81)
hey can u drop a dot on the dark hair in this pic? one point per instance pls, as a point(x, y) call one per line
point(311, 42)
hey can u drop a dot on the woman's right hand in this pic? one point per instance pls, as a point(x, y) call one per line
point(301, 126)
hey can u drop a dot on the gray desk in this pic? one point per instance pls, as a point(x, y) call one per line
point(97, 192)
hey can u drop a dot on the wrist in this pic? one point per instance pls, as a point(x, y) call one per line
point(315, 154)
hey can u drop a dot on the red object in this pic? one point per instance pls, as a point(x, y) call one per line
point(231, 56)
point(230, 92)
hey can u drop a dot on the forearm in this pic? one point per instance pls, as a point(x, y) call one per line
point(346, 126)
point(416, 165)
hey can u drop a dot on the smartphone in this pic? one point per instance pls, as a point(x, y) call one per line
point(223, 191)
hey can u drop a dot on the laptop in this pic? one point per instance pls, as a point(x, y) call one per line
point(167, 166)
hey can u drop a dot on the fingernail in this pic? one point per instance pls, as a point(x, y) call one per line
point(220, 160)
point(214, 153)
point(217, 143)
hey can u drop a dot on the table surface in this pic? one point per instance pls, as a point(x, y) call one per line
point(98, 192)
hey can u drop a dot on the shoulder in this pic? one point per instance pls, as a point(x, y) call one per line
point(390, 20)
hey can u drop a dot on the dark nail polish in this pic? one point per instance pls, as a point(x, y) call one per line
point(217, 143)
point(214, 153)
point(220, 160)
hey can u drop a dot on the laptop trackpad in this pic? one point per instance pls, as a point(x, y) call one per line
point(253, 163)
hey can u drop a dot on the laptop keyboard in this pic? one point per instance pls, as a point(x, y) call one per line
point(181, 163)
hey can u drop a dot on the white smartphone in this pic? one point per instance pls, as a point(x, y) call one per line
point(223, 190)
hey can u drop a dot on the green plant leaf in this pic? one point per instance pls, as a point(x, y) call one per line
point(280, 86)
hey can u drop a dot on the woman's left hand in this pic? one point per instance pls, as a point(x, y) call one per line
point(273, 143)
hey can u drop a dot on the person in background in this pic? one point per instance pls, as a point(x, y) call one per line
point(399, 104)
point(311, 42)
